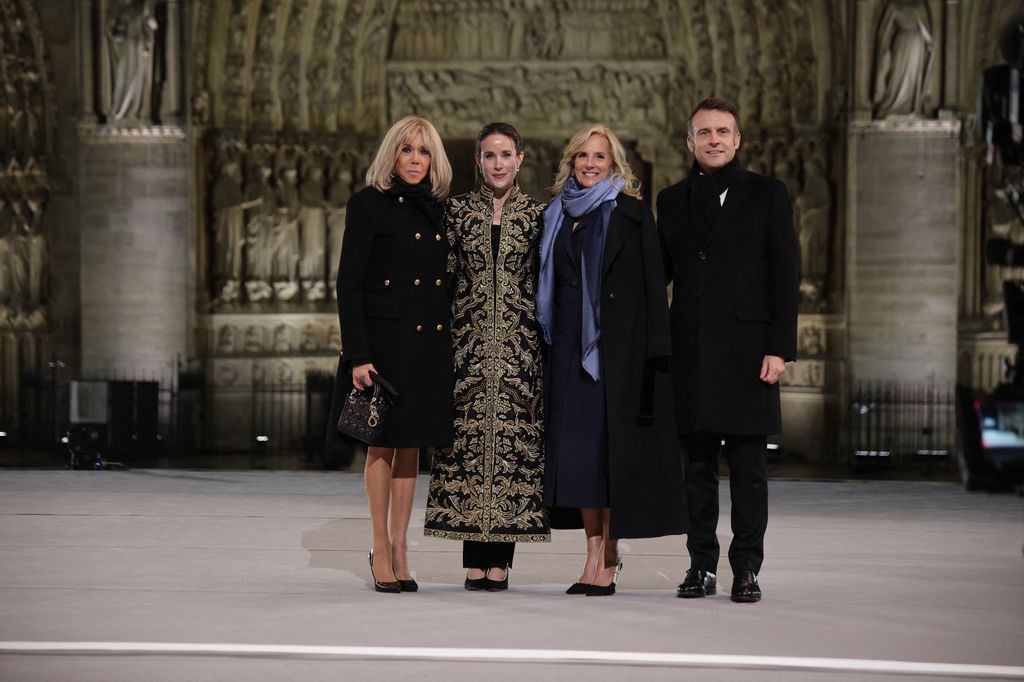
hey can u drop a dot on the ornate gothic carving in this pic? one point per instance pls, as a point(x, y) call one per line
point(277, 215)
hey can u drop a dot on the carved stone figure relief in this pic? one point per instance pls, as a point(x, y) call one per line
point(24, 249)
point(904, 52)
point(812, 210)
point(228, 226)
point(312, 227)
point(284, 233)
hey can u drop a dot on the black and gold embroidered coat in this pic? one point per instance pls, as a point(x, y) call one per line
point(488, 485)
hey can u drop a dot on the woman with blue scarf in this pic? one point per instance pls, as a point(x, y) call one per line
point(612, 460)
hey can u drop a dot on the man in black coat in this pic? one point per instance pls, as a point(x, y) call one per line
point(731, 251)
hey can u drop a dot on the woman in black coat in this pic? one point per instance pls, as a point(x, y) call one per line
point(612, 452)
point(395, 321)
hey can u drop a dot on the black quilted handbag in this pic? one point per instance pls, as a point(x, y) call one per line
point(365, 412)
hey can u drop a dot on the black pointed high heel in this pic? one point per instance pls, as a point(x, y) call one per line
point(409, 585)
point(578, 588)
point(606, 590)
point(390, 587)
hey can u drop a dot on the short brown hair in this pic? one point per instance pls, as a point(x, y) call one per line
point(713, 104)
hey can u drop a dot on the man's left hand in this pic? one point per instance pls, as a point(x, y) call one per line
point(772, 368)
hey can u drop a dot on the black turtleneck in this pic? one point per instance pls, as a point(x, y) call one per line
point(420, 195)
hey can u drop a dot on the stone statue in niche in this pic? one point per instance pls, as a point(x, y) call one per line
point(813, 206)
point(260, 212)
point(284, 235)
point(228, 227)
point(904, 52)
point(338, 194)
point(313, 227)
point(131, 38)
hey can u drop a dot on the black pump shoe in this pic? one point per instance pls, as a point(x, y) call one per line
point(606, 590)
point(409, 585)
point(390, 587)
point(476, 584)
point(578, 588)
point(497, 585)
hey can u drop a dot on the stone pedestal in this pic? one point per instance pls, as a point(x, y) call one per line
point(811, 389)
point(902, 250)
point(137, 290)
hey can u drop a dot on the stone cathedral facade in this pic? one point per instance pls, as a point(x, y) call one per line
point(174, 173)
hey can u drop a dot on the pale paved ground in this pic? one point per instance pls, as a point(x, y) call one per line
point(864, 570)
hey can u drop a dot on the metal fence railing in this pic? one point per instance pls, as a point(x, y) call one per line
point(149, 418)
point(900, 422)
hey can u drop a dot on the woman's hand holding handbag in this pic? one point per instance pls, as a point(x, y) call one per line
point(364, 414)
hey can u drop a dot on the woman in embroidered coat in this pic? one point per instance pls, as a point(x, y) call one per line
point(486, 489)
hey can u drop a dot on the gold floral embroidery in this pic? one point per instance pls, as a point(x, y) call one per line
point(488, 485)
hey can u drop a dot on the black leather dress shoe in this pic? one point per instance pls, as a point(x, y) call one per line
point(745, 589)
point(409, 585)
point(696, 584)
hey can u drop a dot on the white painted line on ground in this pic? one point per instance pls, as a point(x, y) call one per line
point(523, 656)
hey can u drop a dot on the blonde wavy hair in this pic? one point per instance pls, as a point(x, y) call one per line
point(403, 132)
point(620, 167)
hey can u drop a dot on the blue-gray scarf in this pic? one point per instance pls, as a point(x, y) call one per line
point(576, 202)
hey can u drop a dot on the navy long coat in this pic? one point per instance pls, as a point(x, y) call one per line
point(644, 462)
point(734, 300)
point(394, 311)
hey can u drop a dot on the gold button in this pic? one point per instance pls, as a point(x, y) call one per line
point(437, 283)
point(401, 200)
point(419, 327)
point(440, 327)
point(387, 282)
point(416, 282)
point(437, 237)
point(419, 236)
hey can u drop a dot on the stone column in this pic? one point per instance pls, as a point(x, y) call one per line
point(87, 73)
point(902, 241)
point(171, 97)
point(135, 232)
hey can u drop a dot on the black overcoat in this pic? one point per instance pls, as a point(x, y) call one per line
point(395, 312)
point(734, 300)
point(644, 462)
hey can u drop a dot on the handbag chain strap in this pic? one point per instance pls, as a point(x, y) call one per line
point(374, 418)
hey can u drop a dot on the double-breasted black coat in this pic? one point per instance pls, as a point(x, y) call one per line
point(734, 300)
point(644, 464)
point(395, 312)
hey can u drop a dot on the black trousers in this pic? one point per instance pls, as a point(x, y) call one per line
point(748, 487)
point(485, 555)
